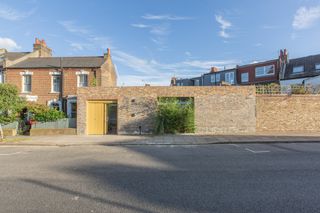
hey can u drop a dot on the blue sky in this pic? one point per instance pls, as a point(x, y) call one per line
point(152, 40)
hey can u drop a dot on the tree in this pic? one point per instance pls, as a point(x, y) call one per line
point(10, 103)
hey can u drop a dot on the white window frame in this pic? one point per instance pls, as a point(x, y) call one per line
point(23, 75)
point(81, 73)
point(297, 69)
point(1, 76)
point(265, 71)
point(229, 77)
point(55, 101)
point(242, 77)
point(196, 82)
point(54, 74)
point(218, 77)
point(212, 78)
point(317, 67)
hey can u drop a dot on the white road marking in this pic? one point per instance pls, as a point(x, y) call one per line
point(15, 153)
point(253, 151)
point(234, 145)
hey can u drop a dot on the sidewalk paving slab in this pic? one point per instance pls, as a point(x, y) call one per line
point(118, 140)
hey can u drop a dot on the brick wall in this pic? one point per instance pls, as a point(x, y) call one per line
point(218, 110)
point(296, 113)
point(41, 82)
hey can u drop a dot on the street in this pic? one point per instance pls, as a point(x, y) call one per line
point(275, 177)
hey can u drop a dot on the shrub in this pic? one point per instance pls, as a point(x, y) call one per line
point(44, 113)
point(175, 115)
point(10, 103)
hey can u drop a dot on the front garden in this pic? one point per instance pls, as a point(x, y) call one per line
point(16, 113)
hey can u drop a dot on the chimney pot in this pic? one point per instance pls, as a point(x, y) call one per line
point(214, 69)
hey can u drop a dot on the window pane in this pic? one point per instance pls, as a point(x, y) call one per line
point(218, 77)
point(269, 70)
point(27, 83)
point(317, 66)
point(56, 80)
point(83, 80)
point(229, 77)
point(298, 69)
point(265, 70)
point(213, 78)
point(259, 71)
point(244, 77)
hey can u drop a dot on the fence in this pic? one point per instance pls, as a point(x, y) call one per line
point(288, 90)
point(13, 125)
point(60, 124)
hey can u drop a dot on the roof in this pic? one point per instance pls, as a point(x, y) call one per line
point(67, 62)
point(259, 63)
point(308, 62)
point(15, 55)
point(221, 71)
point(11, 56)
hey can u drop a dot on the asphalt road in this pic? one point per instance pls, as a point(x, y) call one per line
point(206, 178)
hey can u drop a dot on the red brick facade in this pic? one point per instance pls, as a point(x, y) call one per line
point(251, 70)
point(41, 85)
point(41, 66)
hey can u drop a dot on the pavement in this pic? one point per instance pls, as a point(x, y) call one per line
point(268, 177)
point(117, 140)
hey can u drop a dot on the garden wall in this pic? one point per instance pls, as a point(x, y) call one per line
point(282, 113)
point(218, 110)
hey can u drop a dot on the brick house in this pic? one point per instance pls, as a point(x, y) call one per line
point(220, 77)
point(259, 73)
point(300, 71)
point(54, 81)
point(248, 74)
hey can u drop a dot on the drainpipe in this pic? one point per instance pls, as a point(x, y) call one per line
point(61, 86)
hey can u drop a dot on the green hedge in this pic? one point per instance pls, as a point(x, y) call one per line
point(10, 103)
point(175, 115)
point(44, 113)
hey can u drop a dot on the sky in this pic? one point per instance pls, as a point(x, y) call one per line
point(153, 40)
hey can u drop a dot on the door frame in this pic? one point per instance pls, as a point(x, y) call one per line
point(105, 102)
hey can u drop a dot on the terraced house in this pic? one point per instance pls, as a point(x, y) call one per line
point(54, 81)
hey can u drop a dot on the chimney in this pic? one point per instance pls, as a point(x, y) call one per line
point(214, 69)
point(107, 54)
point(173, 81)
point(3, 50)
point(41, 46)
point(283, 60)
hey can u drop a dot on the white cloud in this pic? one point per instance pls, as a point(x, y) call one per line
point(88, 39)
point(12, 14)
point(8, 44)
point(140, 25)
point(156, 73)
point(158, 32)
point(306, 17)
point(166, 17)
point(224, 25)
point(71, 27)
point(77, 46)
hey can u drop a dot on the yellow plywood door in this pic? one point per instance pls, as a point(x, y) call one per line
point(96, 118)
